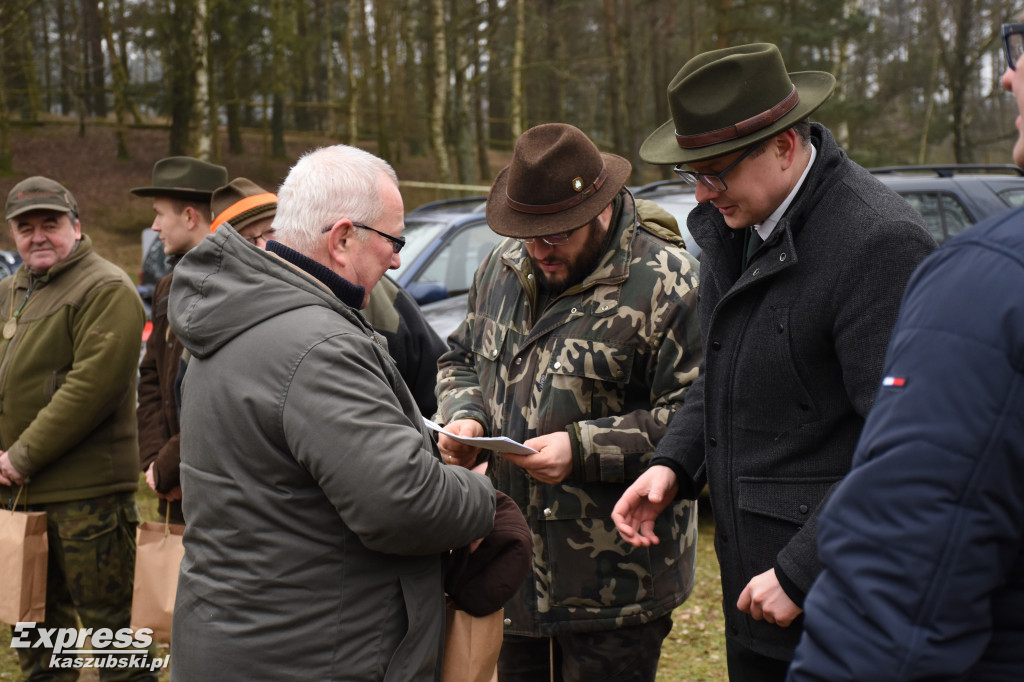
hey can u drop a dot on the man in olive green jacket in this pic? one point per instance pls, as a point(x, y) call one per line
point(70, 335)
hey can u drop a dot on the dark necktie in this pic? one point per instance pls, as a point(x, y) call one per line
point(754, 242)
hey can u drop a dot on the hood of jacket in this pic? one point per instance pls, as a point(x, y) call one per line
point(225, 285)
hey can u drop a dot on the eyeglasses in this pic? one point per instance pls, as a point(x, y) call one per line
point(396, 242)
point(1013, 43)
point(714, 181)
point(560, 239)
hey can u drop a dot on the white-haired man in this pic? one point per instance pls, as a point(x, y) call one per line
point(318, 510)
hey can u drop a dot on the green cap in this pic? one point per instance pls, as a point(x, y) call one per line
point(38, 193)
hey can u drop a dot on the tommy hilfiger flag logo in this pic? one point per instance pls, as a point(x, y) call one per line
point(898, 382)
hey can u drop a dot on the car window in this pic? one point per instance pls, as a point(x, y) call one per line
point(456, 261)
point(155, 266)
point(1013, 197)
point(418, 234)
point(943, 213)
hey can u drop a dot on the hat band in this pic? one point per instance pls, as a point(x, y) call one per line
point(239, 207)
point(557, 207)
point(743, 128)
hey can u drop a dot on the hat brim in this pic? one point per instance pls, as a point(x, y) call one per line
point(172, 193)
point(37, 207)
point(247, 218)
point(508, 222)
point(660, 147)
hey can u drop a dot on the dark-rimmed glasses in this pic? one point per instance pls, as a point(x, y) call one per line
point(560, 239)
point(1013, 43)
point(714, 181)
point(396, 242)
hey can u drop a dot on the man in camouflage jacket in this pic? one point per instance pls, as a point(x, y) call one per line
point(580, 342)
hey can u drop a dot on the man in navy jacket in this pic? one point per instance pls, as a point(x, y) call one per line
point(923, 542)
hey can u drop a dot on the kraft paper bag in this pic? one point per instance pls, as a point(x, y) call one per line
point(471, 646)
point(23, 555)
point(158, 556)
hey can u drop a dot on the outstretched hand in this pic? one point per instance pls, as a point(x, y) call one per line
point(635, 512)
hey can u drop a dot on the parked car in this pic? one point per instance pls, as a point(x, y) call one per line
point(678, 198)
point(154, 267)
point(10, 261)
point(445, 242)
point(953, 197)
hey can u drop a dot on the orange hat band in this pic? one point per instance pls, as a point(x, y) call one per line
point(239, 207)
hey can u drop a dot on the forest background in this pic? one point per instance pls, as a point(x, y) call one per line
point(442, 88)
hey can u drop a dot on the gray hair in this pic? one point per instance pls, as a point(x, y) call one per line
point(324, 186)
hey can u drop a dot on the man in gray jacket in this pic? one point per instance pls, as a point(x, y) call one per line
point(804, 260)
point(318, 509)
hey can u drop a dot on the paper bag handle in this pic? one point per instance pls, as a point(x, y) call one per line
point(167, 520)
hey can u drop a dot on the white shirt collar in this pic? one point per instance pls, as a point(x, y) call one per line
point(765, 228)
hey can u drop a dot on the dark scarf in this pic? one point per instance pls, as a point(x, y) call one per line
point(348, 293)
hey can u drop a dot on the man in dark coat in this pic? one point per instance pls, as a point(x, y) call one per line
point(923, 543)
point(805, 258)
point(181, 188)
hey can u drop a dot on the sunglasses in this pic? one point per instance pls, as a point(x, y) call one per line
point(396, 242)
point(1013, 43)
point(714, 181)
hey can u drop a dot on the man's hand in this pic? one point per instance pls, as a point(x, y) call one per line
point(552, 462)
point(151, 479)
point(764, 599)
point(170, 496)
point(639, 506)
point(454, 452)
point(8, 474)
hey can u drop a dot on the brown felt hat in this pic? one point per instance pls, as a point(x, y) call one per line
point(558, 180)
point(39, 193)
point(480, 582)
point(726, 100)
point(182, 177)
point(241, 202)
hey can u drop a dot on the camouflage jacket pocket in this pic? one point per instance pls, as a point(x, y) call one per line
point(595, 568)
point(584, 380)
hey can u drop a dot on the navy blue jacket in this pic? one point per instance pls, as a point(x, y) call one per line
point(923, 542)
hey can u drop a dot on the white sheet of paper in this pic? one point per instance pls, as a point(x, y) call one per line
point(500, 444)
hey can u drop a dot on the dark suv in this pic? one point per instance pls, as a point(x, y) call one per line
point(953, 197)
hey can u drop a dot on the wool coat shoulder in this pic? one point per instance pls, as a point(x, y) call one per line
point(793, 355)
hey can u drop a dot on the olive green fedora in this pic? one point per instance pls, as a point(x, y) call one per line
point(726, 100)
point(558, 180)
point(240, 203)
point(182, 177)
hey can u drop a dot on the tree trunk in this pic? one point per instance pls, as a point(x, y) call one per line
point(6, 161)
point(438, 142)
point(64, 51)
point(356, 28)
point(120, 83)
point(279, 35)
point(465, 25)
point(181, 80)
point(517, 122)
point(380, 78)
point(92, 35)
point(31, 104)
point(202, 132)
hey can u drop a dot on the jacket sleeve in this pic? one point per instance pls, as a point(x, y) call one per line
point(345, 425)
point(866, 301)
point(926, 527)
point(682, 447)
point(153, 432)
point(107, 334)
point(616, 449)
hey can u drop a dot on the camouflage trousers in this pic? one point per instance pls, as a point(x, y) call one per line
point(89, 577)
point(623, 655)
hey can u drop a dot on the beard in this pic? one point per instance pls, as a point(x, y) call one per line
point(578, 267)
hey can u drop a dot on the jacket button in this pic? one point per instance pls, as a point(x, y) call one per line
point(573, 310)
point(733, 630)
point(805, 407)
point(558, 365)
point(519, 361)
point(716, 345)
point(529, 277)
point(756, 272)
point(780, 328)
point(713, 442)
point(507, 622)
point(547, 512)
point(494, 352)
point(804, 509)
point(724, 536)
point(782, 256)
